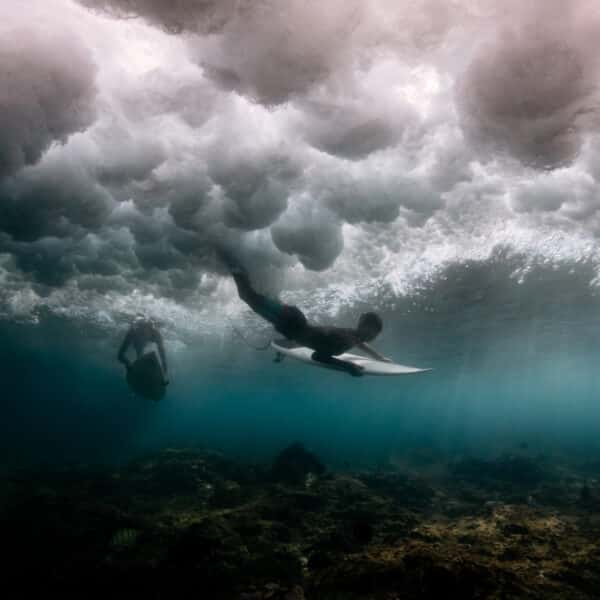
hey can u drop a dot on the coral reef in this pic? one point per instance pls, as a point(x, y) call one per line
point(509, 527)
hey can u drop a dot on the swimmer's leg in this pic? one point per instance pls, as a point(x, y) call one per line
point(268, 308)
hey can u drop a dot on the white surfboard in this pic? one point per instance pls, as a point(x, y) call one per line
point(369, 365)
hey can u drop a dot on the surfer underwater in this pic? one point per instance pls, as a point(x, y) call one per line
point(143, 332)
point(290, 321)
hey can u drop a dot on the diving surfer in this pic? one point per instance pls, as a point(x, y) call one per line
point(141, 334)
point(290, 321)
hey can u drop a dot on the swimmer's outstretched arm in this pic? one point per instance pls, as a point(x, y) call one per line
point(122, 356)
point(163, 357)
point(349, 367)
point(372, 352)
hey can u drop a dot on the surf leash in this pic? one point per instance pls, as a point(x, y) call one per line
point(245, 339)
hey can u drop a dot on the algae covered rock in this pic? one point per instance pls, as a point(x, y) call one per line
point(210, 550)
point(516, 470)
point(294, 464)
point(192, 519)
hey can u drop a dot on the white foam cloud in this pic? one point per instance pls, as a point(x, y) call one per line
point(46, 91)
point(531, 85)
point(334, 145)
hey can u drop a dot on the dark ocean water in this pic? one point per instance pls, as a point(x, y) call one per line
point(515, 364)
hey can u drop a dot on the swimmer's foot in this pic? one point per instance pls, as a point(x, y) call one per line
point(229, 261)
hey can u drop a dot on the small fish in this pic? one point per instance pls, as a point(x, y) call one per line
point(124, 538)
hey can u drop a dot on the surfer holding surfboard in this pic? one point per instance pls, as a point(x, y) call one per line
point(325, 342)
point(146, 375)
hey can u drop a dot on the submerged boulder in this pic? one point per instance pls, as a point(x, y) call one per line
point(517, 470)
point(295, 464)
point(210, 547)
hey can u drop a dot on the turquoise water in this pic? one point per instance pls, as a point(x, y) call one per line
point(515, 363)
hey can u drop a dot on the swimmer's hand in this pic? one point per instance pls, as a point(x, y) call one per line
point(355, 370)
